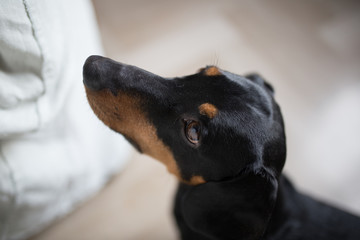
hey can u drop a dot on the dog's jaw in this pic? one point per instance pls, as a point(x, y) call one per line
point(122, 113)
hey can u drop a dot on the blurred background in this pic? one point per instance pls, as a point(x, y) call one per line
point(308, 50)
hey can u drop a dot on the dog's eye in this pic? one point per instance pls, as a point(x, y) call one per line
point(192, 131)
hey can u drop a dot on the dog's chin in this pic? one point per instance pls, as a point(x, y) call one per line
point(96, 107)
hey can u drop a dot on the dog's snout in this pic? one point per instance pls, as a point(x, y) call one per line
point(104, 73)
point(93, 72)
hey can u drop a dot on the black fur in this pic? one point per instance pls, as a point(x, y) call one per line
point(241, 154)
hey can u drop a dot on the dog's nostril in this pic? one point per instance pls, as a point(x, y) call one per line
point(92, 72)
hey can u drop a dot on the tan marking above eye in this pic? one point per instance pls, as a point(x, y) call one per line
point(129, 120)
point(208, 109)
point(212, 71)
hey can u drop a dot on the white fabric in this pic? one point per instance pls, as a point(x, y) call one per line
point(54, 153)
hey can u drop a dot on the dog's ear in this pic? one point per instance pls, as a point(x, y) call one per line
point(260, 80)
point(239, 208)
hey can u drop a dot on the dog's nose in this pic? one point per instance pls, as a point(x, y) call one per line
point(93, 72)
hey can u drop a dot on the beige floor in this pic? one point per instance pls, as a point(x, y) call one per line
point(309, 51)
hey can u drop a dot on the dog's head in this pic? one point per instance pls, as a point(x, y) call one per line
point(206, 127)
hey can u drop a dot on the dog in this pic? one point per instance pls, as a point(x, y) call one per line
point(222, 135)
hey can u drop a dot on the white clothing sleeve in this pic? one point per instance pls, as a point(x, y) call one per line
point(54, 153)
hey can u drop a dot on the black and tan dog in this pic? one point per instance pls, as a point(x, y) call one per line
point(222, 135)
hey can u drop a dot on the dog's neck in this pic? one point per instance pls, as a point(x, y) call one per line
point(284, 210)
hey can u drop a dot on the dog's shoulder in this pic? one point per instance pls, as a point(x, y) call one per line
point(299, 216)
